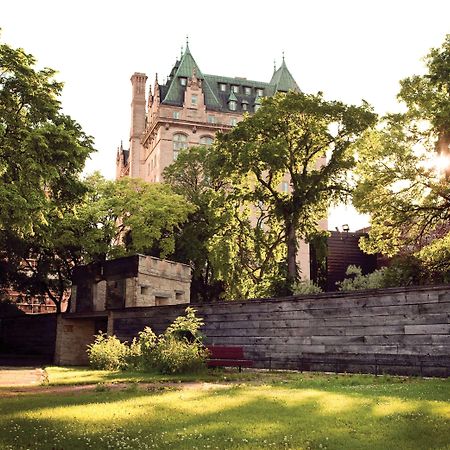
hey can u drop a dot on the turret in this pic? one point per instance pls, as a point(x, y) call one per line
point(138, 81)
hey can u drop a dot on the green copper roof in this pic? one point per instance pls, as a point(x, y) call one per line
point(186, 68)
point(283, 80)
point(218, 89)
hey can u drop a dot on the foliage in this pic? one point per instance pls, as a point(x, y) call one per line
point(306, 287)
point(190, 176)
point(108, 353)
point(402, 271)
point(42, 150)
point(175, 356)
point(404, 168)
point(111, 219)
point(186, 327)
point(42, 153)
point(178, 350)
point(287, 140)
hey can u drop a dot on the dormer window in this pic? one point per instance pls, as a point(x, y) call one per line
point(257, 107)
point(260, 92)
point(232, 105)
point(248, 90)
point(194, 99)
point(244, 106)
point(235, 89)
point(222, 87)
point(183, 81)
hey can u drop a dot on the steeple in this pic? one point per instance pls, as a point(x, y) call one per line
point(283, 80)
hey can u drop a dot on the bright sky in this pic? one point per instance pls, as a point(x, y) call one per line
point(348, 49)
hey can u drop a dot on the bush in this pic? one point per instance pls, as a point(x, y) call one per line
point(306, 287)
point(178, 350)
point(108, 353)
point(174, 356)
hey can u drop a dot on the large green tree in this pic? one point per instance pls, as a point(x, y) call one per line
point(42, 150)
point(114, 218)
point(404, 167)
point(300, 138)
point(231, 256)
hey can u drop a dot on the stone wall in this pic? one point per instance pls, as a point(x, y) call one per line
point(128, 282)
point(73, 336)
point(400, 331)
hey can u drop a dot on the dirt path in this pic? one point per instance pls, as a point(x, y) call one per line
point(27, 381)
point(21, 376)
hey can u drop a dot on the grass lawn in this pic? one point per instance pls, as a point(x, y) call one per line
point(262, 410)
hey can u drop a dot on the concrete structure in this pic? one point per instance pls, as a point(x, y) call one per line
point(98, 290)
point(130, 282)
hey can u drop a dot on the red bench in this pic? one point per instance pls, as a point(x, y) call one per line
point(221, 356)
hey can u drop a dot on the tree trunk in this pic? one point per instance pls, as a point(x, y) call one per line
point(291, 242)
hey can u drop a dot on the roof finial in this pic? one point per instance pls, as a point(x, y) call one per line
point(274, 65)
point(187, 40)
point(283, 55)
point(181, 54)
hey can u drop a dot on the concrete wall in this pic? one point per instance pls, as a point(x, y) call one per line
point(73, 337)
point(401, 331)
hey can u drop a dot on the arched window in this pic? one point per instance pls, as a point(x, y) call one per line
point(179, 142)
point(206, 140)
point(232, 105)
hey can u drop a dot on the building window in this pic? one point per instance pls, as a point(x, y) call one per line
point(244, 106)
point(222, 87)
point(194, 100)
point(183, 81)
point(285, 187)
point(233, 122)
point(176, 114)
point(248, 90)
point(206, 140)
point(260, 92)
point(179, 142)
point(235, 89)
point(257, 107)
point(211, 119)
point(232, 105)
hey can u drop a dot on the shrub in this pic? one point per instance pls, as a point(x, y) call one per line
point(174, 356)
point(306, 287)
point(108, 353)
point(178, 350)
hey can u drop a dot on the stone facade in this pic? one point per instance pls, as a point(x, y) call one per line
point(130, 282)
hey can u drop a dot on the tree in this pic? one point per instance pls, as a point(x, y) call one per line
point(113, 219)
point(403, 171)
point(230, 256)
point(42, 150)
point(288, 139)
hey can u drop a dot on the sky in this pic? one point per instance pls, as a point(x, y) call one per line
point(350, 50)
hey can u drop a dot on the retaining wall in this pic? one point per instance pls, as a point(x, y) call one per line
point(399, 331)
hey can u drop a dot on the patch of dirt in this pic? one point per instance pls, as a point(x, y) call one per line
point(68, 390)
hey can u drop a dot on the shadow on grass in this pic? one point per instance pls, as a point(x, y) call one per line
point(250, 417)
